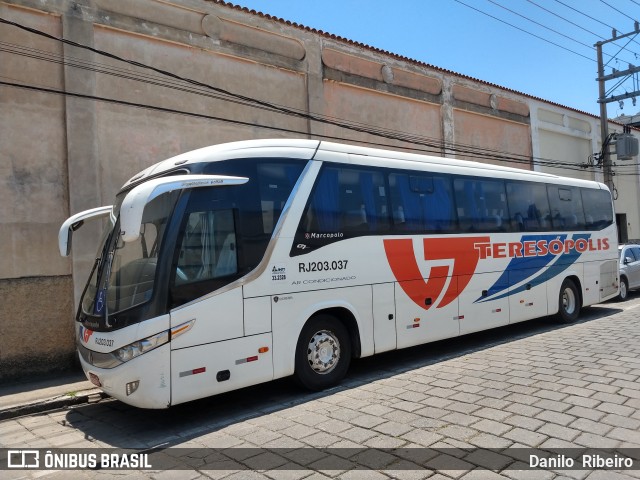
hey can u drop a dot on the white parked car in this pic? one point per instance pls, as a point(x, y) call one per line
point(629, 256)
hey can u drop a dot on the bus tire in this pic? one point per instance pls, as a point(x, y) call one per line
point(623, 294)
point(568, 302)
point(323, 353)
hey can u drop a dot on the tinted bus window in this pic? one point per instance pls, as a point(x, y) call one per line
point(422, 203)
point(597, 207)
point(566, 208)
point(275, 182)
point(347, 200)
point(344, 203)
point(528, 206)
point(208, 247)
point(481, 204)
point(226, 230)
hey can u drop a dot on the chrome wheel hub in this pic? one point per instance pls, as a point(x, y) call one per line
point(323, 352)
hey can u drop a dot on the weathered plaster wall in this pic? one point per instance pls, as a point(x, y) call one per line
point(37, 334)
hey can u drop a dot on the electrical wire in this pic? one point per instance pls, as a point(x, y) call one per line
point(433, 147)
point(363, 128)
point(541, 24)
point(249, 100)
point(588, 16)
point(128, 74)
point(549, 163)
point(565, 19)
point(524, 31)
point(617, 10)
point(631, 39)
point(578, 26)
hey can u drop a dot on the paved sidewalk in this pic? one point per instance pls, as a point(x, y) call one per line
point(57, 391)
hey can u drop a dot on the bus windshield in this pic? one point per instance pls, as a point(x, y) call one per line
point(88, 301)
point(124, 272)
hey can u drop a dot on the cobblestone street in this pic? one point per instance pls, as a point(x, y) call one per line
point(535, 385)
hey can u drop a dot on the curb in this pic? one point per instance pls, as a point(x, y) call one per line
point(55, 403)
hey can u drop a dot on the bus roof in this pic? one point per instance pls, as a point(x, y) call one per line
point(451, 165)
point(294, 148)
point(322, 150)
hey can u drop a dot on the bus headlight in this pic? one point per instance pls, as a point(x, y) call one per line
point(135, 349)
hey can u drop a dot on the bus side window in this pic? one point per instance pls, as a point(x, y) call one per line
point(529, 206)
point(275, 181)
point(438, 205)
point(482, 205)
point(207, 247)
point(347, 200)
point(597, 207)
point(566, 208)
point(422, 202)
point(406, 204)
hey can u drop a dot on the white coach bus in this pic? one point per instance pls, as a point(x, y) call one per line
point(240, 263)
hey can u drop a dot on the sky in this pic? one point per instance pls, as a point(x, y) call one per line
point(543, 48)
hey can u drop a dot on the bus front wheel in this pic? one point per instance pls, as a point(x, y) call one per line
point(323, 353)
point(568, 302)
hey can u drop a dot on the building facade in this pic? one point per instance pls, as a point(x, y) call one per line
point(76, 124)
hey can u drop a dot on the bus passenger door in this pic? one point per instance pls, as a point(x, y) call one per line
point(384, 317)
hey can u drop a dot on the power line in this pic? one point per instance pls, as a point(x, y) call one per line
point(576, 25)
point(558, 32)
point(158, 81)
point(250, 101)
point(586, 15)
point(524, 31)
point(540, 24)
point(565, 19)
point(589, 17)
point(66, 60)
point(362, 128)
point(631, 39)
point(617, 10)
point(433, 147)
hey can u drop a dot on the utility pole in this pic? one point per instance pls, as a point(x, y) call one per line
point(604, 122)
point(602, 100)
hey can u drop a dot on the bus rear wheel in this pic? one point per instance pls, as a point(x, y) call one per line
point(323, 353)
point(568, 302)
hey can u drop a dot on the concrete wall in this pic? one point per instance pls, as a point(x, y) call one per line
point(60, 154)
point(36, 286)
